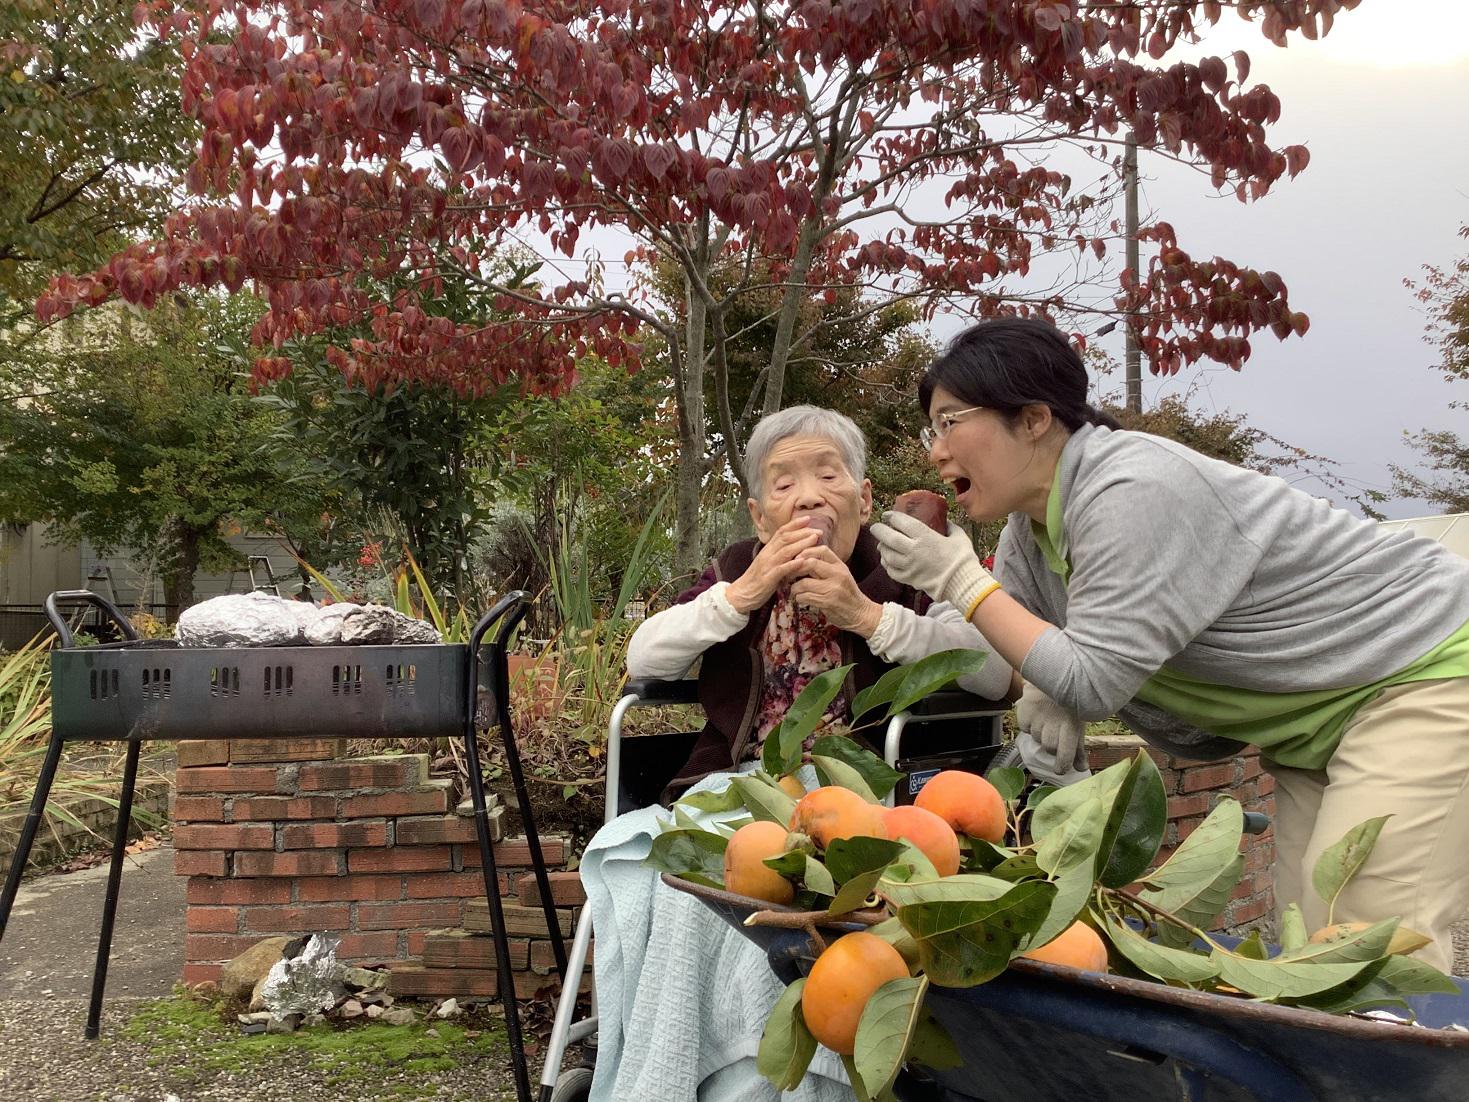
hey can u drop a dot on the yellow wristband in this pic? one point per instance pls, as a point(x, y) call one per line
point(983, 593)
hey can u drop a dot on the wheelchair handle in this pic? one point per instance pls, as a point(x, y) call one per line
point(87, 597)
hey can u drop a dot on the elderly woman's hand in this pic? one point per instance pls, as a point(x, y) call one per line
point(775, 565)
point(827, 586)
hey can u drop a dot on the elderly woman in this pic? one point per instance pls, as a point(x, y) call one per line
point(683, 999)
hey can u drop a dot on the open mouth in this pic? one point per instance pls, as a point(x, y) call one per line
point(961, 486)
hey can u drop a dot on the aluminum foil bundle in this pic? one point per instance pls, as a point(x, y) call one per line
point(305, 984)
point(244, 619)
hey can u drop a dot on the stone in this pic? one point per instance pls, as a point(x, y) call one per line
point(241, 619)
point(374, 625)
point(325, 629)
point(430, 1032)
point(351, 1009)
point(262, 1017)
point(364, 979)
point(287, 1024)
point(410, 631)
point(257, 994)
point(375, 1011)
point(238, 978)
point(399, 1015)
point(447, 1009)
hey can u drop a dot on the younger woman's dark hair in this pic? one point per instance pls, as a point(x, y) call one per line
point(1007, 363)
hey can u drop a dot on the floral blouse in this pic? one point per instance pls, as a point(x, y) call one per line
point(798, 644)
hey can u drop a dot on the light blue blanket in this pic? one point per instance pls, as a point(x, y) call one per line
point(682, 998)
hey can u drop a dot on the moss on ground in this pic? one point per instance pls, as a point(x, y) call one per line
point(198, 1038)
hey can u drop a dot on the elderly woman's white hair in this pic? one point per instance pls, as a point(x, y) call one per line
point(840, 429)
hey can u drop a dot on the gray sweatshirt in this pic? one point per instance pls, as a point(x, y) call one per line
point(1226, 575)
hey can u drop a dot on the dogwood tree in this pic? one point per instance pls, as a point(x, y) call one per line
point(900, 149)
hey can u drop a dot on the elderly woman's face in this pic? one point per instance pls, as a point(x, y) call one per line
point(806, 475)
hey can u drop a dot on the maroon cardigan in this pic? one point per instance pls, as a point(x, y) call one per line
point(731, 674)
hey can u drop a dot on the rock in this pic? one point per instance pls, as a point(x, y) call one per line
point(241, 619)
point(363, 979)
point(257, 993)
point(325, 629)
point(399, 1015)
point(430, 1032)
point(375, 1011)
point(350, 1009)
point(287, 1024)
point(208, 989)
point(373, 625)
point(447, 1009)
point(408, 630)
point(238, 978)
point(262, 1017)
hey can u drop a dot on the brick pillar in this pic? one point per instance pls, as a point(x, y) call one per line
point(286, 837)
point(1193, 789)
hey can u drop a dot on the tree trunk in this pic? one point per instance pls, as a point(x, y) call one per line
point(790, 308)
point(180, 563)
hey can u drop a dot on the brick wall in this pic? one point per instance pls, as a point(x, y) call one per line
point(95, 821)
point(1193, 789)
point(282, 837)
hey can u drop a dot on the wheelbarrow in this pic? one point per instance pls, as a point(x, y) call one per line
point(1048, 1033)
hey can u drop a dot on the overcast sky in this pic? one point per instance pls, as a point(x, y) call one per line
point(1383, 104)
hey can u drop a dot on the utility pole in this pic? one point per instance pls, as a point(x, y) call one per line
point(1134, 364)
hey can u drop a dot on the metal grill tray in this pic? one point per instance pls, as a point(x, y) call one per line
point(155, 689)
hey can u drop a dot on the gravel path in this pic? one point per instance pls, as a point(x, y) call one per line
point(169, 1059)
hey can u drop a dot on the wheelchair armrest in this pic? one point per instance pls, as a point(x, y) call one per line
point(949, 701)
point(650, 690)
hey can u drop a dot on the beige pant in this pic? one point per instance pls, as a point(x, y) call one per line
point(1405, 753)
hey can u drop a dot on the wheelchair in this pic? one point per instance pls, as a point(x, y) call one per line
point(950, 729)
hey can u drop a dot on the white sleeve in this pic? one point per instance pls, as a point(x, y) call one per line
point(904, 636)
point(666, 643)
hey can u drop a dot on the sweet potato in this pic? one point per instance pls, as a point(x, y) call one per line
point(927, 506)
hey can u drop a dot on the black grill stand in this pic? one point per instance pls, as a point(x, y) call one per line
point(133, 727)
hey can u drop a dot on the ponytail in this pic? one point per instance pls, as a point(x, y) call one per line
point(1094, 416)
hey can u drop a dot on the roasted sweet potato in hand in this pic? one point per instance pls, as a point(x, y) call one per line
point(927, 506)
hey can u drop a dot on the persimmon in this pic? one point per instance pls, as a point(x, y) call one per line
point(933, 837)
point(791, 786)
point(967, 802)
point(841, 981)
point(1078, 946)
point(832, 812)
point(745, 871)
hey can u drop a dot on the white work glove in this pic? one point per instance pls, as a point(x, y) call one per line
point(947, 568)
point(1052, 739)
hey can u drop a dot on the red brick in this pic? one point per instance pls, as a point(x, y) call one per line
point(403, 771)
point(1251, 768)
point(351, 889)
point(364, 832)
point(429, 800)
point(1265, 786)
point(445, 885)
point(1259, 857)
point(433, 830)
point(415, 940)
point(298, 919)
point(416, 981)
point(1209, 776)
point(1188, 826)
point(195, 752)
point(201, 973)
point(224, 836)
point(296, 863)
point(519, 921)
point(401, 859)
point(516, 852)
point(200, 862)
point(543, 958)
point(402, 916)
point(1248, 910)
point(279, 749)
point(459, 949)
point(202, 890)
point(285, 807)
point(222, 947)
point(227, 778)
point(376, 946)
point(197, 809)
point(212, 920)
point(1181, 807)
point(566, 889)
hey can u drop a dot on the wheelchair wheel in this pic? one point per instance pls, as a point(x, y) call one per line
point(573, 1085)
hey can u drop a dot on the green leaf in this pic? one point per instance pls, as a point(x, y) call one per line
point(1388, 982)
point(964, 888)
point(1253, 947)
point(932, 1046)
point(1073, 891)
point(849, 857)
point(764, 799)
point(1135, 826)
point(928, 675)
point(1038, 795)
point(1368, 944)
point(892, 932)
point(1008, 781)
point(790, 864)
point(817, 878)
point(965, 944)
point(1059, 805)
point(782, 750)
point(878, 693)
point(1159, 961)
point(1277, 979)
point(786, 1046)
point(855, 1078)
point(1022, 866)
point(695, 855)
point(1075, 842)
point(853, 895)
point(1293, 932)
point(1340, 861)
point(837, 772)
point(726, 799)
point(878, 775)
point(885, 1029)
point(981, 855)
point(1196, 882)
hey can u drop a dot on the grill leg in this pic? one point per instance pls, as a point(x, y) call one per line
point(497, 912)
point(114, 882)
point(28, 829)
